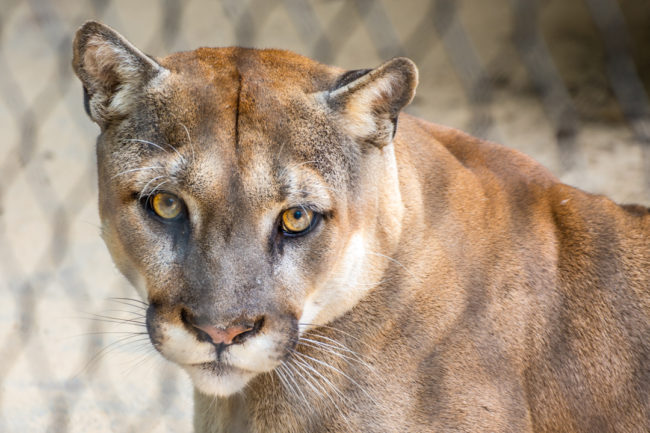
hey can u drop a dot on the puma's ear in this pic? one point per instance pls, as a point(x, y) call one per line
point(111, 70)
point(369, 101)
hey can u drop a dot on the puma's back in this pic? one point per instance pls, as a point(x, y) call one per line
point(318, 262)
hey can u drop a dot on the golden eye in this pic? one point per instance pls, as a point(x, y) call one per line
point(166, 205)
point(296, 220)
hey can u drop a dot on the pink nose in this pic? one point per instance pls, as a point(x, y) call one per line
point(224, 336)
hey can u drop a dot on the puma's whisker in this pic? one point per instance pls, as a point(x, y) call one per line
point(285, 171)
point(132, 170)
point(147, 356)
point(110, 333)
point(131, 302)
point(372, 284)
point(306, 378)
point(288, 370)
point(144, 192)
point(159, 147)
point(318, 186)
point(115, 345)
point(312, 372)
point(325, 393)
point(156, 188)
point(283, 380)
point(335, 344)
point(116, 319)
point(327, 348)
point(325, 364)
point(303, 339)
point(334, 329)
point(134, 315)
point(189, 140)
point(396, 262)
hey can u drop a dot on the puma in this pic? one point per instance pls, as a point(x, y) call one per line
point(318, 262)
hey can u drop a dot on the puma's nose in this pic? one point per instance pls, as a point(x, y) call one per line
point(232, 334)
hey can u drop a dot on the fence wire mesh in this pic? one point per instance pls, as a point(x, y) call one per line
point(565, 81)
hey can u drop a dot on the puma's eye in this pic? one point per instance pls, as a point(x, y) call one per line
point(297, 220)
point(166, 206)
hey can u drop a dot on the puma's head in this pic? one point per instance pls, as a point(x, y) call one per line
point(247, 194)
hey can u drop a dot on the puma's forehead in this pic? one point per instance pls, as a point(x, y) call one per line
point(265, 88)
point(268, 69)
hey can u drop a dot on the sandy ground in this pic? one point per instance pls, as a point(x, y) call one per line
point(55, 273)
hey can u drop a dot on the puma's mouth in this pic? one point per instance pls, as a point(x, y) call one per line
point(217, 368)
point(217, 378)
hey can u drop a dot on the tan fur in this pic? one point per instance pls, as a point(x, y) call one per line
point(452, 285)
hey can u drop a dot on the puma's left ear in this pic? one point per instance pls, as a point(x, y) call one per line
point(369, 101)
point(111, 70)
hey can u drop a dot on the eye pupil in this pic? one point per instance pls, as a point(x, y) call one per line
point(297, 214)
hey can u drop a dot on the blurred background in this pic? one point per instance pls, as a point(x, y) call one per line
point(565, 81)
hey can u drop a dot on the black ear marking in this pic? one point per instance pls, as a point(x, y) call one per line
point(394, 120)
point(86, 101)
point(349, 77)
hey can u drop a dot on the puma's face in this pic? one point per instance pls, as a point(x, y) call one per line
point(241, 192)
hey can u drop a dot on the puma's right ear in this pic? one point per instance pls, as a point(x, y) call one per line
point(111, 70)
point(369, 101)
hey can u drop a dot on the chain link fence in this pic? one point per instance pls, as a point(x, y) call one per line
point(565, 81)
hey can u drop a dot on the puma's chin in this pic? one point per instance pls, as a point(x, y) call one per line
point(218, 379)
